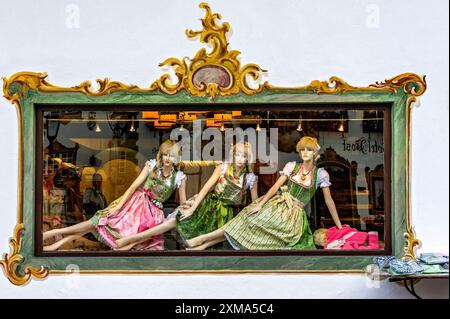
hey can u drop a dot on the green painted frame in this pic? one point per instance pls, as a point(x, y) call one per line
point(28, 98)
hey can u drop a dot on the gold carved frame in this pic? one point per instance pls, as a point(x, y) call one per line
point(213, 33)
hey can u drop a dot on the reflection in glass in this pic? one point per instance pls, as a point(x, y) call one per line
point(90, 158)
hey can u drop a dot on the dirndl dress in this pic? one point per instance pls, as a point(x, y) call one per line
point(282, 222)
point(218, 207)
point(142, 211)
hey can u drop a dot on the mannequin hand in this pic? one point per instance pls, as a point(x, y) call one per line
point(185, 213)
point(255, 209)
point(187, 203)
point(112, 211)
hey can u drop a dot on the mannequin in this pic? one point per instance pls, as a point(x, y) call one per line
point(278, 221)
point(138, 209)
point(208, 210)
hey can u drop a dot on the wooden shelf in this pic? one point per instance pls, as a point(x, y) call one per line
point(353, 206)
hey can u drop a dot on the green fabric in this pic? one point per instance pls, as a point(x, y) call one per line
point(159, 189)
point(229, 190)
point(306, 240)
point(281, 223)
point(100, 213)
point(396, 101)
point(303, 194)
point(210, 215)
point(216, 209)
point(433, 269)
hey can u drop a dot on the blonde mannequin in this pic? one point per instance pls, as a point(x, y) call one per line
point(278, 221)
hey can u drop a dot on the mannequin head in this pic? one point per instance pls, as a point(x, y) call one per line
point(320, 237)
point(308, 149)
point(168, 154)
point(241, 153)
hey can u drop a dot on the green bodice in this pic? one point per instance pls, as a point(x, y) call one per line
point(158, 189)
point(302, 193)
point(229, 191)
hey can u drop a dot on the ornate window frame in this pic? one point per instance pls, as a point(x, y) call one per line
point(27, 89)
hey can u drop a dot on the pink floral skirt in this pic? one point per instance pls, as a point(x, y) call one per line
point(138, 214)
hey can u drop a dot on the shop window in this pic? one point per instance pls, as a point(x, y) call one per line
point(90, 158)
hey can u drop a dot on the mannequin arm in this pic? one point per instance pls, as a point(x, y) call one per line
point(331, 206)
point(206, 188)
point(137, 182)
point(254, 191)
point(182, 191)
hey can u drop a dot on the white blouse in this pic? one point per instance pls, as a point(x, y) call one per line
point(250, 178)
point(323, 178)
point(178, 178)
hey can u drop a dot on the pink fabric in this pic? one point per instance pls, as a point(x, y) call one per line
point(348, 238)
point(137, 215)
point(373, 241)
point(335, 233)
point(355, 241)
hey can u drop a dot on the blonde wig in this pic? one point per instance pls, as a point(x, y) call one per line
point(168, 146)
point(247, 148)
point(309, 143)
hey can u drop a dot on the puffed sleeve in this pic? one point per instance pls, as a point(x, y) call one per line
point(288, 168)
point(224, 168)
point(150, 164)
point(251, 179)
point(179, 178)
point(323, 178)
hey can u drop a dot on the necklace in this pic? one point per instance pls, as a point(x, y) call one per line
point(233, 171)
point(164, 176)
point(304, 175)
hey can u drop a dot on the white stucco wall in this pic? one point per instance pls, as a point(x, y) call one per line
point(297, 41)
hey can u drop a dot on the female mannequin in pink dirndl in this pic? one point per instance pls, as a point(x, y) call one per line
point(138, 209)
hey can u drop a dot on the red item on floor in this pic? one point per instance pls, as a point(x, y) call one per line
point(373, 241)
point(348, 238)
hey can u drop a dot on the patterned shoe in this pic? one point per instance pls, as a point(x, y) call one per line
point(405, 267)
point(383, 261)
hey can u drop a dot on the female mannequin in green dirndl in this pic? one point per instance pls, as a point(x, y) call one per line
point(208, 210)
point(280, 221)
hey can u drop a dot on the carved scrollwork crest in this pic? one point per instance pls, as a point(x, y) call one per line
point(218, 72)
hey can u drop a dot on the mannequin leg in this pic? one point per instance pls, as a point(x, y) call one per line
point(129, 242)
point(200, 240)
point(61, 242)
point(208, 243)
point(83, 227)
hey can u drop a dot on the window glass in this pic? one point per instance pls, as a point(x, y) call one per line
point(110, 178)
